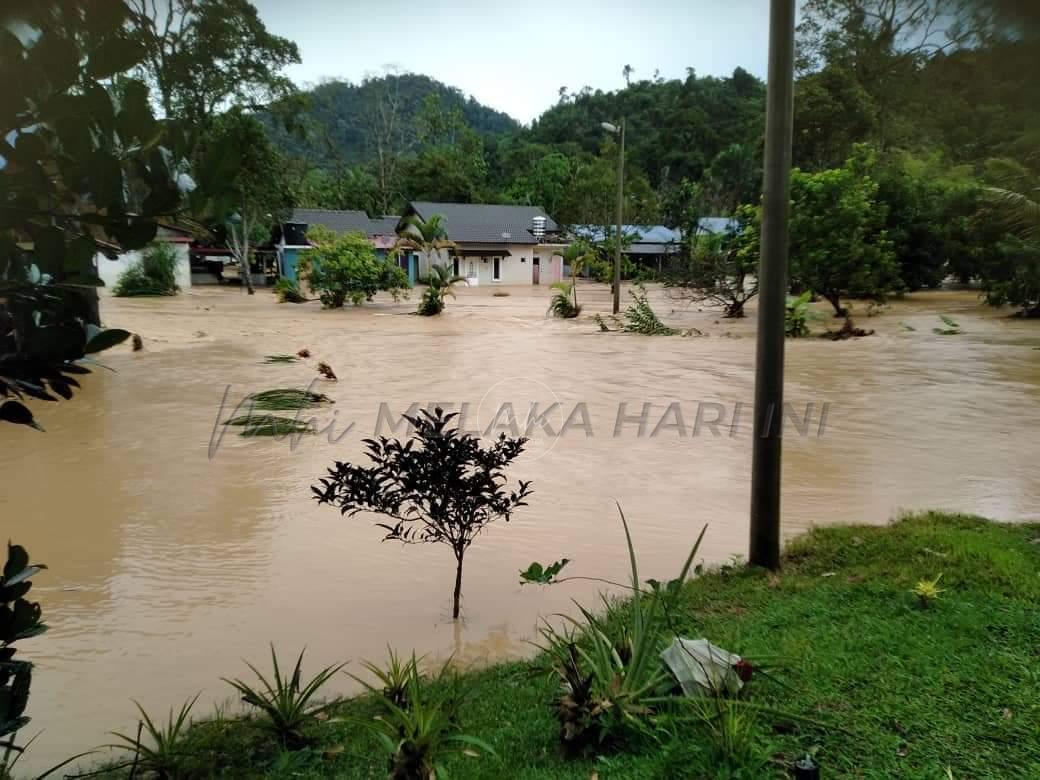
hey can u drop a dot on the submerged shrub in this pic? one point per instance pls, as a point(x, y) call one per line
point(346, 268)
point(640, 317)
point(561, 304)
point(288, 291)
point(796, 315)
point(438, 286)
point(153, 274)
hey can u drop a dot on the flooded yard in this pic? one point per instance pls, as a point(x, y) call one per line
point(175, 552)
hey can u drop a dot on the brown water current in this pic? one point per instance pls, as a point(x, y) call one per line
point(175, 553)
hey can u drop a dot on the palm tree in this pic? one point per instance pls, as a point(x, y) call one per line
point(427, 236)
point(577, 255)
point(1021, 211)
point(438, 284)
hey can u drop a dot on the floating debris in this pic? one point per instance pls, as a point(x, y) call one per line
point(326, 371)
point(287, 398)
point(281, 359)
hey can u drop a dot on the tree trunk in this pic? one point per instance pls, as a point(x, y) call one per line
point(835, 300)
point(458, 586)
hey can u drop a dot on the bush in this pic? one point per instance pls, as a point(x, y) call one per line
point(346, 267)
point(153, 274)
point(796, 315)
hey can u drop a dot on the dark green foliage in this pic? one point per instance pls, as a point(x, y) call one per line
point(286, 702)
point(338, 117)
point(640, 317)
point(86, 161)
point(441, 487)
point(153, 274)
point(19, 619)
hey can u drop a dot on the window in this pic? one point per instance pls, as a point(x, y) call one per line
point(523, 259)
point(496, 270)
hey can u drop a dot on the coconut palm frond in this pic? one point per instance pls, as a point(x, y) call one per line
point(1021, 210)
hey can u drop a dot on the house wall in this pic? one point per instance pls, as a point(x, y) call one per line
point(516, 268)
point(109, 271)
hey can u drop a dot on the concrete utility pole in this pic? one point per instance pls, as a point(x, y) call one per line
point(620, 218)
point(619, 130)
point(764, 547)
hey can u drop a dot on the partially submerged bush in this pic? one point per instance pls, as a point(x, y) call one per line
point(346, 268)
point(561, 304)
point(796, 315)
point(153, 274)
point(288, 291)
point(438, 286)
point(640, 317)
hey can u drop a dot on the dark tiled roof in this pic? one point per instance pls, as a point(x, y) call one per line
point(336, 221)
point(385, 226)
point(485, 223)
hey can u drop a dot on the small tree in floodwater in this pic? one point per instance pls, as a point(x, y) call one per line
point(442, 486)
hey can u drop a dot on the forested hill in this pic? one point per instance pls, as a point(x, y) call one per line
point(675, 128)
point(341, 122)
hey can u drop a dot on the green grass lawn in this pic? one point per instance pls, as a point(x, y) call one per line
point(904, 692)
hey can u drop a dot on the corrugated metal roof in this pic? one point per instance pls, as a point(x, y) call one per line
point(486, 223)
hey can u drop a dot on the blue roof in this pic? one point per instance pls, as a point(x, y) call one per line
point(656, 235)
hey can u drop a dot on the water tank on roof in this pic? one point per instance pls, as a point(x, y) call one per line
point(295, 233)
point(538, 227)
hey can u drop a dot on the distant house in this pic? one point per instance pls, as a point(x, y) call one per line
point(495, 244)
point(653, 245)
point(380, 231)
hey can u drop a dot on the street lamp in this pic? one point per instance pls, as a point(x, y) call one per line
point(618, 130)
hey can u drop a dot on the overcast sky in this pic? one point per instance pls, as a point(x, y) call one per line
point(515, 55)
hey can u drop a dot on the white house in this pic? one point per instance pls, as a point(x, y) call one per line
point(110, 270)
point(494, 245)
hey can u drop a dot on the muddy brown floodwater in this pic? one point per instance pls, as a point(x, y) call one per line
point(174, 554)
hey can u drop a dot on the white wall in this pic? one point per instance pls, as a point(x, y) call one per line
point(516, 267)
point(110, 270)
